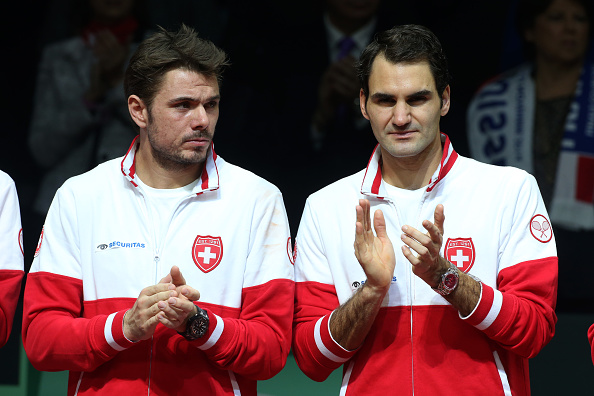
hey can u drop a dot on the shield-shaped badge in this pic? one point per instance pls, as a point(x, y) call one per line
point(460, 252)
point(207, 252)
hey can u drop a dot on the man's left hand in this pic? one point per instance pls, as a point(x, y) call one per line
point(177, 310)
point(428, 263)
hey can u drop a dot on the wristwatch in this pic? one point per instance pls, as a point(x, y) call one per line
point(197, 325)
point(449, 281)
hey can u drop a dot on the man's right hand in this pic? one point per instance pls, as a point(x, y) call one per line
point(374, 252)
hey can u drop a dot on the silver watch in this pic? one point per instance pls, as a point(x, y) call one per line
point(449, 281)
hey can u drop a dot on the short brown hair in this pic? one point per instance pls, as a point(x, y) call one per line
point(405, 44)
point(164, 51)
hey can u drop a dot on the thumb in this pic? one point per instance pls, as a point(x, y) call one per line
point(439, 217)
point(176, 276)
point(166, 279)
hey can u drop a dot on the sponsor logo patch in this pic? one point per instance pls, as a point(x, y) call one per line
point(119, 245)
point(540, 228)
point(207, 252)
point(359, 284)
point(460, 252)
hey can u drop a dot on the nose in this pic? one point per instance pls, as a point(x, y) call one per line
point(401, 114)
point(200, 120)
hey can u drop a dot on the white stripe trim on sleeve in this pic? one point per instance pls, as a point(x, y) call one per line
point(216, 334)
point(493, 312)
point(109, 336)
point(320, 344)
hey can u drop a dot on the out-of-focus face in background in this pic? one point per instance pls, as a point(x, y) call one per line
point(561, 33)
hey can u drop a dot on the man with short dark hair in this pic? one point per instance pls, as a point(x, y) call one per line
point(106, 298)
point(455, 307)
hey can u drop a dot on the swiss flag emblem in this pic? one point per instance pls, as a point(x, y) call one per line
point(460, 252)
point(207, 252)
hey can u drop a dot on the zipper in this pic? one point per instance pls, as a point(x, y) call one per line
point(157, 248)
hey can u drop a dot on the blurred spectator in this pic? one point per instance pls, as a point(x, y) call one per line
point(538, 117)
point(80, 117)
point(321, 135)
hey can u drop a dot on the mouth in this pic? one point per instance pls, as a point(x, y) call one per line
point(198, 142)
point(401, 134)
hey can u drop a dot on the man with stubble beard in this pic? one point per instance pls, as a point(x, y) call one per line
point(106, 298)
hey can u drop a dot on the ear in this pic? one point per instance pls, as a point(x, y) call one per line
point(363, 103)
point(445, 101)
point(138, 111)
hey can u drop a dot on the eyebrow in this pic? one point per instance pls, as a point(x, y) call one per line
point(382, 95)
point(192, 99)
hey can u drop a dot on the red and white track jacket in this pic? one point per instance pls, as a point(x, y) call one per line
point(99, 249)
point(11, 259)
point(496, 228)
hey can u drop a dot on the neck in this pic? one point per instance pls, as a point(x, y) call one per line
point(412, 173)
point(555, 80)
point(156, 175)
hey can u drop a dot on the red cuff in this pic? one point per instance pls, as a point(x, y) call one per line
point(216, 325)
point(487, 309)
point(114, 331)
point(327, 345)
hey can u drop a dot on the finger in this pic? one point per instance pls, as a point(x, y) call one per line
point(189, 293)
point(360, 223)
point(439, 217)
point(176, 276)
point(166, 279)
point(145, 302)
point(379, 224)
point(415, 234)
point(366, 217)
point(158, 288)
point(181, 305)
point(434, 233)
point(414, 260)
point(415, 245)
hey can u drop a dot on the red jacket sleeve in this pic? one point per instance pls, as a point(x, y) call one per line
point(255, 345)
point(56, 337)
point(10, 290)
point(520, 316)
point(315, 351)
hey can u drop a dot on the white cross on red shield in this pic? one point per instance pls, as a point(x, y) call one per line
point(460, 252)
point(207, 252)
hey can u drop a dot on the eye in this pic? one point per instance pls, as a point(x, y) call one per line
point(183, 105)
point(212, 104)
point(385, 101)
point(417, 100)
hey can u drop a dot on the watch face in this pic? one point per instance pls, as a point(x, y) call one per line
point(199, 327)
point(450, 281)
